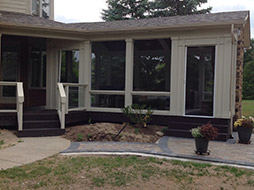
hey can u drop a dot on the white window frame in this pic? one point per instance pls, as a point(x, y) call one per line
point(105, 92)
point(185, 77)
point(128, 93)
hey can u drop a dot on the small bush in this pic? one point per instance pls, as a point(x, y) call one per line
point(137, 114)
point(79, 137)
point(246, 123)
point(206, 131)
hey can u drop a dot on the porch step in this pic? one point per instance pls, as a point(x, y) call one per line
point(37, 123)
point(189, 126)
point(187, 134)
point(181, 128)
point(50, 115)
point(41, 124)
point(40, 132)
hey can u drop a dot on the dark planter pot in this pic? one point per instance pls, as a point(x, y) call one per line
point(201, 145)
point(244, 134)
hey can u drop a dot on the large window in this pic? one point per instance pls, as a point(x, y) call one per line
point(9, 65)
point(200, 81)
point(151, 84)
point(108, 74)
point(41, 8)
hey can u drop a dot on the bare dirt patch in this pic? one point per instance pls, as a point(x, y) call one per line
point(106, 132)
point(7, 139)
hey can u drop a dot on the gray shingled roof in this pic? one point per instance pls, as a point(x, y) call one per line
point(165, 22)
point(174, 21)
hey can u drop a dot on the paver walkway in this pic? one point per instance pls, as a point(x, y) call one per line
point(230, 152)
point(31, 150)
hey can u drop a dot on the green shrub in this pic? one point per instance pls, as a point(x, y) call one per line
point(79, 137)
point(138, 114)
point(206, 130)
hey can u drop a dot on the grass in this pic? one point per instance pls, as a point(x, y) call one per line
point(248, 108)
point(60, 172)
point(1, 143)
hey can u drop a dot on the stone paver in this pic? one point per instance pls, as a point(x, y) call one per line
point(230, 152)
point(113, 147)
point(219, 150)
point(31, 150)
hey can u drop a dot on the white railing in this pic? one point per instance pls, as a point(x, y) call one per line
point(19, 102)
point(65, 101)
point(61, 104)
point(80, 96)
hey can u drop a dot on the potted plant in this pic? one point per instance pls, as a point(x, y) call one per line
point(202, 135)
point(244, 128)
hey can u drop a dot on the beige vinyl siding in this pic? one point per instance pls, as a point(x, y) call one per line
point(19, 6)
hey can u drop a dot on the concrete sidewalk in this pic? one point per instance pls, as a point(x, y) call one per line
point(31, 150)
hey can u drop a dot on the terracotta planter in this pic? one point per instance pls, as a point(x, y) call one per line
point(244, 134)
point(201, 145)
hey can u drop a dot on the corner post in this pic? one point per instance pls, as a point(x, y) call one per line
point(129, 63)
point(87, 73)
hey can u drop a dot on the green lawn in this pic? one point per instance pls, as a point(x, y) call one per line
point(66, 172)
point(248, 108)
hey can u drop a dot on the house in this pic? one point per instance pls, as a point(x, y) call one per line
point(187, 68)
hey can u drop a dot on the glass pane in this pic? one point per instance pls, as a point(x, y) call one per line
point(152, 65)
point(76, 97)
point(108, 101)
point(70, 66)
point(10, 59)
point(200, 81)
point(35, 68)
point(108, 65)
point(44, 69)
point(45, 8)
point(36, 7)
point(155, 102)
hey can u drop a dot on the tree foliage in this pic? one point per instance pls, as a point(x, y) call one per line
point(249, 54)
point(248, 81)
point(137, 9)
point(163, 8)
point(125, 9)
point(248, 73)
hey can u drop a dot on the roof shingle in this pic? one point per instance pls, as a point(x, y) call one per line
point(20, 19)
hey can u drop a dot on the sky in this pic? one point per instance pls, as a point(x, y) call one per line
point(90, 10)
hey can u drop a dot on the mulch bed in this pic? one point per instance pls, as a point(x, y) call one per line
point(107, 131)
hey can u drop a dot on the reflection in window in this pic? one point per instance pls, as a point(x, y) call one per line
point(200, 81)
point(107, 101)
point(70, 66)
point(38, 68)
point(155, 102)
point(45, 8)
point(36, 7)
point(108, 65)
point(41, 8)
point(10, 62)
point(152, 65)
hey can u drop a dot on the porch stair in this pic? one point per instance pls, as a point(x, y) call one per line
point(182, 128)
point(41, 123)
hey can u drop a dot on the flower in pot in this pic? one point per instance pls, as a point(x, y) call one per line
point(202, 135)
point(244, 128)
